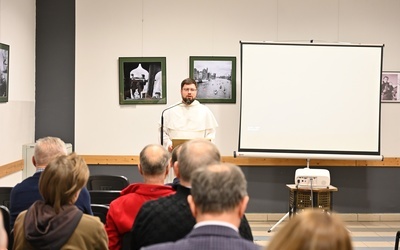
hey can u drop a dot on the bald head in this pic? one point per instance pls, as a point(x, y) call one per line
point(154, 160)
point(195, 154)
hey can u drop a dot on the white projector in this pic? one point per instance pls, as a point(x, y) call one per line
point(312, 177)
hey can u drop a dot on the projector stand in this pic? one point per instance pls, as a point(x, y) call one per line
point(288, 213)
point(279, 222)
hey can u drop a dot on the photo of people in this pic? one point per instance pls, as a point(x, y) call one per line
point(141, 80)
point(4, 58)
point(390, 87)
point(215, 78)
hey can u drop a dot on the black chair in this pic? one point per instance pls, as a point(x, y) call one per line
point(5, 196)
point(396, 243)
point(6, 218)
point(103, 197)
point(100, 211)
point(107, 182)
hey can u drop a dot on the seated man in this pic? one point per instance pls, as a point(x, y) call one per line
point(153, 166)
point(24, 194)
point(218, 201)
point(169, 218)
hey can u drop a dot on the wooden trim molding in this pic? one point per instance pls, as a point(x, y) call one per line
point(250, 161)
point(129, 160)
point(11, 168)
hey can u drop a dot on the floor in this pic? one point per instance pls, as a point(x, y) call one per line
point(365, 235)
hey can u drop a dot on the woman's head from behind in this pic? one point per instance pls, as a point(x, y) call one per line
point(61, 181)
point(312, 229)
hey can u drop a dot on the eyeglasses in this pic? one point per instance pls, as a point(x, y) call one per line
point(189, 89)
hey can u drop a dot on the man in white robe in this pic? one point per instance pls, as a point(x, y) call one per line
point(188, 120)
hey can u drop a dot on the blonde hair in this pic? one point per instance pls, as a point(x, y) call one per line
point(312, 229)
point(62, 179)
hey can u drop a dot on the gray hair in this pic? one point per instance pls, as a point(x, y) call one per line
point(218, 188)
point(195, 154)
point(47, 149)
point(154, 159)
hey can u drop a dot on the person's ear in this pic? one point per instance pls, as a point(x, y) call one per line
point(140, 169)
point(176, 169)
point(33, 161)
point(192, 205)
point(166, 171)
point(243, 206)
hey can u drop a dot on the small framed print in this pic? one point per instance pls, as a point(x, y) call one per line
point(4, 70)
point(390, 86)
point(142, 80)
point(215, 77)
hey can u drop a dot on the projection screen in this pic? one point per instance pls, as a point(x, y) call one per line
point(310, 100)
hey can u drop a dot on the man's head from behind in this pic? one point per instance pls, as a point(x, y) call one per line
point(219, 189)
point(195, 154)
point(47, 149)
point(154, 160)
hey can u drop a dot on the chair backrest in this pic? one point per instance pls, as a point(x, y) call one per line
point(100, 211)
point(107, 182)
point(5, 196)
point(103, 196)
point(6, 218)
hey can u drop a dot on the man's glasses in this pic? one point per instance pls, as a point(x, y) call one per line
point(188, 89)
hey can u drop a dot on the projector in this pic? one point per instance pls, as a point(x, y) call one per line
point(312, 177)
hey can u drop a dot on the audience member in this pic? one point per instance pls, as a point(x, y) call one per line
point(171, 178)
point(3, 235)
point(153, 166)
point(218, 201)
point(56, 223)
point(24, 194)
point(169, 218)
point(312, 229)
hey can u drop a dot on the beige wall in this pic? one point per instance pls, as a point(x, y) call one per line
point(17, 116)
point(178, 29)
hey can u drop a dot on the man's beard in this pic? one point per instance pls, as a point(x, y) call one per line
point(187, 101)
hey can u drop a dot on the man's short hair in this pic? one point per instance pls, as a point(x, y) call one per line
point(218, 188)
point(154, 159)
point(47, 149)
point(188, 81)
point(195, 154)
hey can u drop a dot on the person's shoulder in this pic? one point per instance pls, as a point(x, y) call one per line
point(91, 221)
point(158, 203)
point(28, 183)
point(160, 246)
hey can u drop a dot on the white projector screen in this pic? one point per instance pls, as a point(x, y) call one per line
point(310, 100)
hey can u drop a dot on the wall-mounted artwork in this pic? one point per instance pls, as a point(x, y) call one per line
point(215, 77)
point(390, 86)
point(142, 80)
point(4, 70)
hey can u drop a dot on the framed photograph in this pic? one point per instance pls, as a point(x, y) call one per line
point(142, 80)
point(390, 86)
point(215, 77)
point(4, 63)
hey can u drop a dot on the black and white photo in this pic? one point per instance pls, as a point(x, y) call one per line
point(215, 77)
point(4, 71)
point(390, 86)
point(142, 80)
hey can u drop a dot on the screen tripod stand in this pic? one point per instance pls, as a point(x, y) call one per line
point(291, 209)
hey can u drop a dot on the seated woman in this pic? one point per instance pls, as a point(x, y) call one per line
point(56, 223)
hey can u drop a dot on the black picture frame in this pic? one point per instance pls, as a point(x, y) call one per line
point(142, 80)
point(215, 77)
point(390, 85)
point(4, 71)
